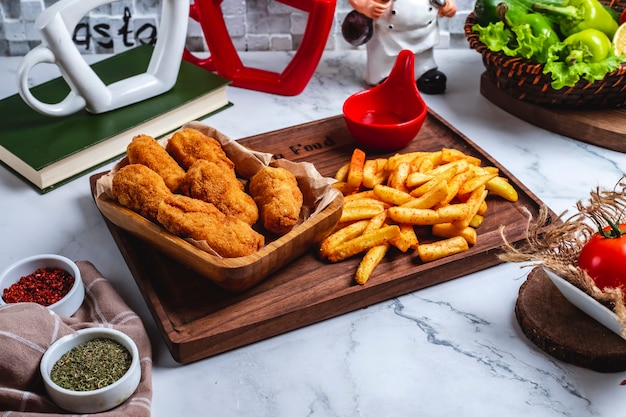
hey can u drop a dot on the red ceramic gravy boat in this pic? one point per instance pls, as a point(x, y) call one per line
point(388, 116)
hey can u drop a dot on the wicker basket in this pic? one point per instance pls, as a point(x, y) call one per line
point(526, 81)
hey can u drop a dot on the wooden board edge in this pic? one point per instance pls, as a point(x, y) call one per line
point(562, 122)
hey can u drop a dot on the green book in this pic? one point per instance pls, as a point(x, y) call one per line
point(49, 151)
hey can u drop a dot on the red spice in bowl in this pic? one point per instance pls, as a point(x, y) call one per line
point(45, 286)
point(52, 281)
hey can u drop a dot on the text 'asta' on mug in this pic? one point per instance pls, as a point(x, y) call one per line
point(56, 24)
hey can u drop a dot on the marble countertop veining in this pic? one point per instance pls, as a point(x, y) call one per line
point(454, 349)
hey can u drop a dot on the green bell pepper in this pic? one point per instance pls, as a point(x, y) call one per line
point(589, 45)
point(578, 15)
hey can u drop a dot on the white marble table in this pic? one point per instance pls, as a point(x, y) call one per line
point(454, 349)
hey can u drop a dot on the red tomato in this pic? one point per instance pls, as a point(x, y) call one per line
point(604, 259)
point(622, 17)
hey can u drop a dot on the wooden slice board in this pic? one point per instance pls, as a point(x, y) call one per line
point(559, 328)
point(605, 128)
point(197, 319)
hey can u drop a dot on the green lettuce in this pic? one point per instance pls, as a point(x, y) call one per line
point(564, 75)
point(520, 42)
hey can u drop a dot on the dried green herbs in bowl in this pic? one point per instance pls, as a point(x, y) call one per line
point(91, 370)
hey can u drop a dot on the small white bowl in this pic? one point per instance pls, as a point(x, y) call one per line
point(587, 303)
point(65, 306)
point(97, 400)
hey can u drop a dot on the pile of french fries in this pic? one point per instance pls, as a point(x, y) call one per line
point(385, 199)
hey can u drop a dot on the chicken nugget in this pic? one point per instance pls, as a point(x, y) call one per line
point(191, 218)
point(207, 181)
point(140, 189)
point(144, 149)
point(276, 192)
point(188, 145)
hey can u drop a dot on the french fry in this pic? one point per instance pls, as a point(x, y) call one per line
point(350, 214)
point(360, 194)
point(343, 188)
point(407, 239)
point(397, 178)
point(364, 242)
point(447, 230)
point(427, 217)
point(425, 165)
point(342, 173)
point(502, 188)
point(364, 201)
point(376, 222)
point(391, 195)
point(342, 235)
point(473, 204)
point(445, 175)
point(429, 252)
point(382, 174)
point(370, 169)
point(382, 164)
point(370, 261)
point(429, 161)
point(415, 163)
point(454, 185)
point(474, 183)
point(483, 208)
point(452, 212)
point(451, 154)
point(415, 179)
point(491, 169)
point(395, 160)
point(476, 221)
point(355, 172)
point(412, 216)
point(430, 198)
point(459, 166)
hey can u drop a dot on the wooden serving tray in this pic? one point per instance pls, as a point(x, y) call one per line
point(197, 319)
point(604, 127)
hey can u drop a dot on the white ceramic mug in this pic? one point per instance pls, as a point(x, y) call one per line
point(56, 24)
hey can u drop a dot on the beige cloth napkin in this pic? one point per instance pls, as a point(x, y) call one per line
point(27, 330)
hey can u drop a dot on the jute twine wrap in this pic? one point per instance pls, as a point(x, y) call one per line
point(556, 244)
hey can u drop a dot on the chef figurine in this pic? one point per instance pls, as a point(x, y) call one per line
point(405, 24)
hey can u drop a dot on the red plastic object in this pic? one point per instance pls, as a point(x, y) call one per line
point(225, 60)
point(388, 116)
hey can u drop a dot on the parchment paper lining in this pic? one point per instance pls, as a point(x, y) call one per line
point(316, 189)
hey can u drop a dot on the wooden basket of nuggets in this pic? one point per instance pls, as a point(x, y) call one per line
point(233, 215)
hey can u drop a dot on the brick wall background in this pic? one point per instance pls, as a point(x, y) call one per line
point(254, 25)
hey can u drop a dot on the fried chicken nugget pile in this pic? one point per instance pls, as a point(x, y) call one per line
point(227, 235)
point(145, 150)
point(140, 189)
point(191, 188)
point(208, 181)
point(278, 197)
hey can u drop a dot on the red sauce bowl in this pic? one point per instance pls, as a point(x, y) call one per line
point(388, 116)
